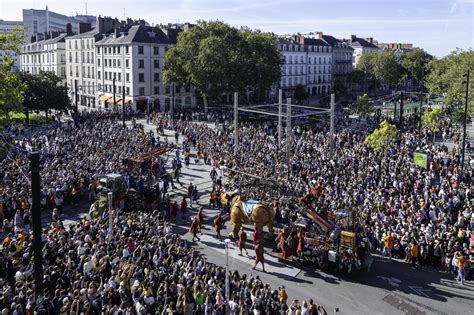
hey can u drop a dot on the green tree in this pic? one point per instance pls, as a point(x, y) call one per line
point(11, 88)
point(414, 63)
point(217, 58)
point(300, 93)
point(364, 106)
point(379, 67)
point(382, 137)
point(446, 77)
point(45, 91)
point(431, 119)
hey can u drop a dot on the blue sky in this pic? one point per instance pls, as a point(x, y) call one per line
point(438, 26)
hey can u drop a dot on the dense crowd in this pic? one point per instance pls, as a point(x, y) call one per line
point(144, 268)
point(75, 154)
point(429, 209)
point(422, 215)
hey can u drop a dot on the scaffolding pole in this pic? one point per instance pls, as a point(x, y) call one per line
point(280, 112)
point(288, 135)
point(236, 123)
point(331, 126)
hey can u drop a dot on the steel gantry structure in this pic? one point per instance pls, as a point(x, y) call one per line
point(287, 114)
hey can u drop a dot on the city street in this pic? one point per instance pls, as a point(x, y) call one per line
point(389, 288)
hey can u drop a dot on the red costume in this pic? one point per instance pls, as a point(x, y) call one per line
point(259, 253)
point(242, 240)
point(300, 248)
point(282, 235)
point(200, 218)
point(194, 229)
point(218, 223)
point(256, 237)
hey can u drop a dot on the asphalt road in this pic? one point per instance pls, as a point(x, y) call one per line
point(390, 287)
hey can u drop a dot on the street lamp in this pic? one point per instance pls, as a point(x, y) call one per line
point(465, 121)
point(227, 242)
point(111, 217)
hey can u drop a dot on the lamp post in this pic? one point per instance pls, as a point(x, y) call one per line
point(111, 217)
point(227, 242)
point(465, 121)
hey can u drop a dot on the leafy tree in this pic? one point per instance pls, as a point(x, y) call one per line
point(432, 119)
point(446, 77)
point(217, 58)
point(414, 63)
point(300, 93)
point(382, 137)
point(45, 92)
point(11, 88)
point(366, 69)
point(364, 106)
point(379, 67)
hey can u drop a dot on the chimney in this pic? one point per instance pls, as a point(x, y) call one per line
point(370, 40)
point(84, 27)
point(68, 29)
point(353, 38)
point(319, 35)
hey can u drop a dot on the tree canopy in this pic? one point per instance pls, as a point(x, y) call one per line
point(432, 119)
point(364, 106)
point(45, 91)
point(446, 77)
point(380, 66)
point(300, 93)
point(11, 88)
point(217, 58)
point(414, 63)
point(382, 136)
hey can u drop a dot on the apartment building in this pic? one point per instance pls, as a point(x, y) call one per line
point(134, 57)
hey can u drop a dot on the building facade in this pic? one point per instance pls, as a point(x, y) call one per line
point(81, 61)
point(7, 27)
point(361, 47)
point(134, 57)
point(306, 61)
point(45, 21)
point(48, 54)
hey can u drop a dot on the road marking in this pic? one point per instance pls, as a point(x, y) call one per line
point(392, 281)
point(419, 290)
point(272, 265)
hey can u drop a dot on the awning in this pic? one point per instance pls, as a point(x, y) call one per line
point(104, 98)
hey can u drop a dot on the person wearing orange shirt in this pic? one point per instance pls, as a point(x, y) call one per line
point(415, 252)
point(388, 245)
point(461, 267)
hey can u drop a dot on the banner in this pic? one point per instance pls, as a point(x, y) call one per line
point(420, 159)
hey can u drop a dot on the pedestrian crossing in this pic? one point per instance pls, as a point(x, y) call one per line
point(272, 265)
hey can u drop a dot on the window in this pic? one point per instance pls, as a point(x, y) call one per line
point(70, 56)
point(105, 75)
point(156, 77)
point(119, 90)
point(156, 90)
point(98, 49)
point(141, 63)
point(141, 91)
point(156, 51)
point(98, 62)
point(119, 76)
point(167, 89)
point(127, 77)
point(126, 50)
point(128, 90)
point(140, 50)
point(114, 49)
point(118, 50)
point(114, 62)
point(141, 77)
point(118, 63)
point(156, 63)
point(126, 63)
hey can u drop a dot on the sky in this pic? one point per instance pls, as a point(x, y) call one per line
point(438, 26)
